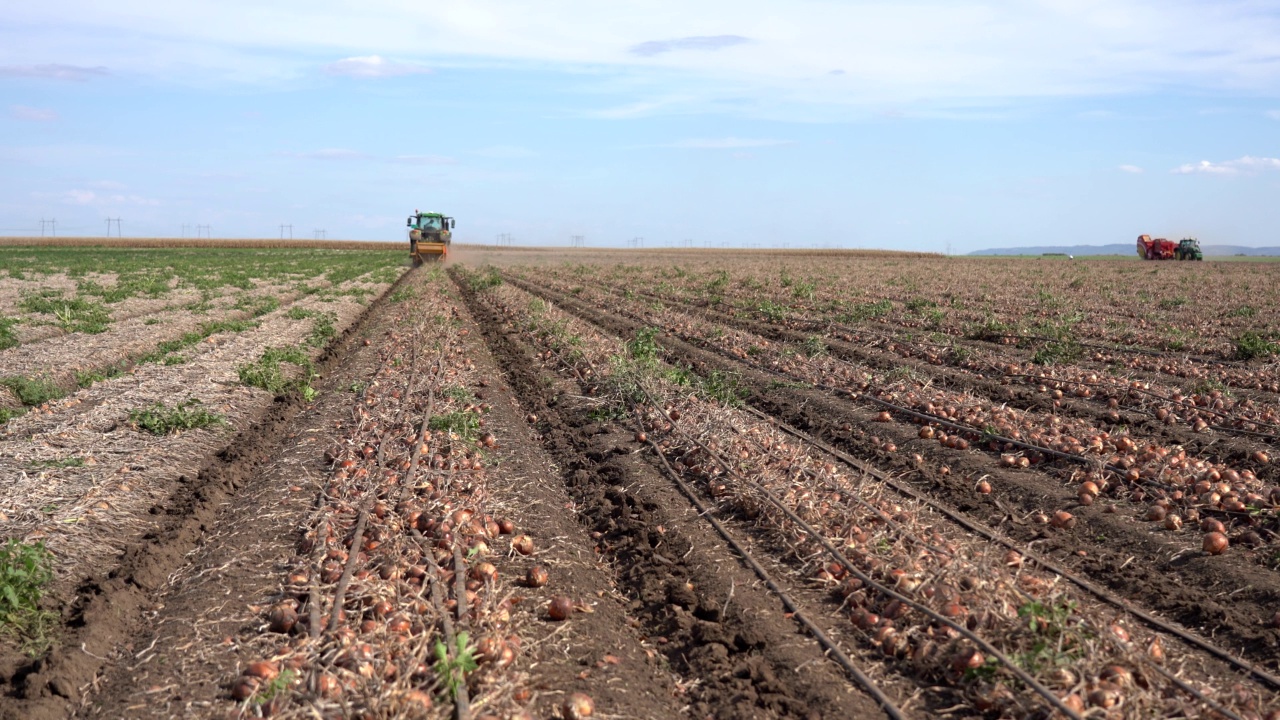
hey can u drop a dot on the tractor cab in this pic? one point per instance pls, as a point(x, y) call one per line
point(1189, 249)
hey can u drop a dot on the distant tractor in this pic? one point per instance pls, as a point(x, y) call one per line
point(429, 236)
point(1161, 249)
point(1189, 249)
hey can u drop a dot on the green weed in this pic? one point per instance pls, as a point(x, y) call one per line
point(8, 338)
point(32, 391)
point(267, 373)
point(1252, 345)
point(461, 423)
point(25, 571)
point(160, 419)
point(453, 667)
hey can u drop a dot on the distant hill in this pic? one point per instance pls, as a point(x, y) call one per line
point(1125, 249)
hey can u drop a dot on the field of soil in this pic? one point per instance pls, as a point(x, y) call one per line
point(277, 482)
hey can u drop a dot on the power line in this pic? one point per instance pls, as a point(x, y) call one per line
point(282, 231)
point(577, 241)
point(53, 227)
point(206, 229)
point(319, 234)
point(117, 222)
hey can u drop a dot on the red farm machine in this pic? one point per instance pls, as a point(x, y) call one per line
point(1161, 249)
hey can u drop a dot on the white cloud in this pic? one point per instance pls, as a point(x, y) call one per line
point(33, 114)
point(1130, 169)
point(373, 66)
point(727, 143)
point(1273, 114)
point(940, 53)
point(53, 71)
point(506, 152)
point(328, 154)
point(93, 198)
point(424, 160)
point(1246, 164)
point(698, 42)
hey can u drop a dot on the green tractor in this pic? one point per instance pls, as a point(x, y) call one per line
point(1188, 249)
point(429, 236)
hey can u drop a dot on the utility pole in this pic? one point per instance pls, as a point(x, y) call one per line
point(282, 231)
point(205, 228)
point(184, 231)
point(51, 224)
point(577, 241)
point(117, 222)
point(636, 242)
point(319, 234)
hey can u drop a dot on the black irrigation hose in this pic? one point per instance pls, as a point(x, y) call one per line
point(827, 643)
point(976, 527)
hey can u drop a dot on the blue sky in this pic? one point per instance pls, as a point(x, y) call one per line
point(912, 124)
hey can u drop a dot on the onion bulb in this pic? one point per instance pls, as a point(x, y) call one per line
point(578, 705)
point(1215, 543)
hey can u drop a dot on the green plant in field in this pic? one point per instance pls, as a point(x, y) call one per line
point(278, 685)
point(867, 311)
point(805, 290)
point(644, 347)
point(772, 311)
point(452, 667)
point(919, 305)
point(257, 306)
point(402, 294)
point(72, 315)
point(25, 571)
point(462, 423)
point(160, 419)
point(63, 463)
point(1253, 344)
point(814, 346)
point(480, 281)
point(457, 393)
point(1053, 352)
point(724, 387)
point(267, 373)
point(8, 338)
point(1172, 303)
point(1244, 311)
point(718, 285)
point(32, 391)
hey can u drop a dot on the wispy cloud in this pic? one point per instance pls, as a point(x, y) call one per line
point(696, 42)
point(33, 114)
point(328, 154)
point(53, 71)
point(727, 143)
point(94, 198)
point(1273, 114)
point(424, 160)
point(1130, 169)
point(1246, 164)
point(506, 152)
point(373, 66)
